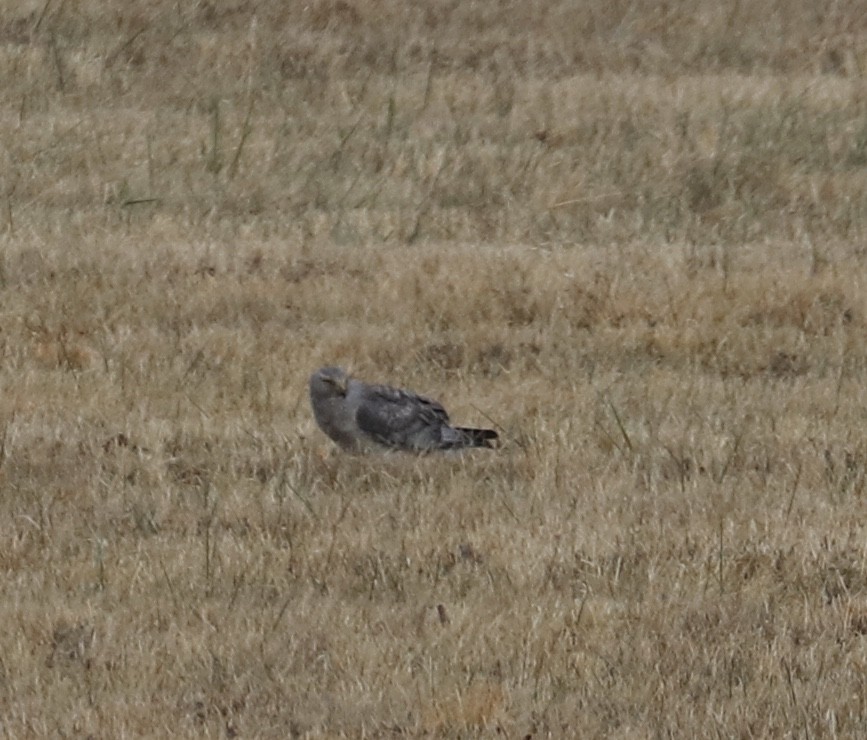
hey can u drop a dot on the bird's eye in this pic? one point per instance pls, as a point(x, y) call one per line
point(338, 386)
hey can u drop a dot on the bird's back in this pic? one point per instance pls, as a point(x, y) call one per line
point(401, 419)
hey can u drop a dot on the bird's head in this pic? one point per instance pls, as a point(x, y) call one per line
point(332, 381)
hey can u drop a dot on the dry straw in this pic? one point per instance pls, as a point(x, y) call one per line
point(631, 234)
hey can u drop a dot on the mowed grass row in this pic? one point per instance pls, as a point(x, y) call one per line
point(498, 124)
point(631, 238)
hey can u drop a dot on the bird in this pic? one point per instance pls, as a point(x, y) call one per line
point(362, 417)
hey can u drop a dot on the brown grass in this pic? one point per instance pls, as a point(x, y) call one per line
point(631, 235)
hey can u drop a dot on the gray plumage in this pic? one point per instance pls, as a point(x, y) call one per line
point(361, 417)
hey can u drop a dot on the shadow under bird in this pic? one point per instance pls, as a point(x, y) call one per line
point(360, 416)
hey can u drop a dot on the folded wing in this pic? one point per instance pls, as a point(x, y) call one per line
point(403, 420)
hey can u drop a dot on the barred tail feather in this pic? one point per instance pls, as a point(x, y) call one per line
point(476, 437)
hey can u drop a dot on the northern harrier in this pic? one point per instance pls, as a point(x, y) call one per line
point(359, 417)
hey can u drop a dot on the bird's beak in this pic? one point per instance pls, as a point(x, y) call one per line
point(340, 384)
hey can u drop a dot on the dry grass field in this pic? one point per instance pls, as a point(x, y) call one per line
point(631, 235)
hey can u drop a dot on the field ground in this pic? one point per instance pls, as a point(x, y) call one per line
point(633, 236)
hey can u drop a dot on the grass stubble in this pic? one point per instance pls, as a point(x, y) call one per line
point(631, 237)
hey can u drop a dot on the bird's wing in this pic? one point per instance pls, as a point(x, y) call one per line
point(400, 419)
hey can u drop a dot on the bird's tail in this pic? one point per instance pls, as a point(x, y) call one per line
point(475, 437)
